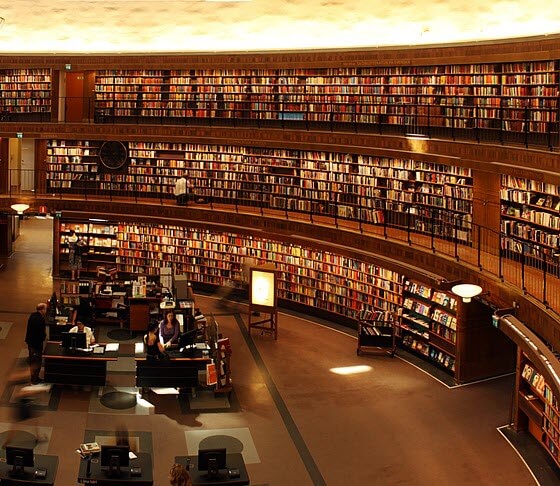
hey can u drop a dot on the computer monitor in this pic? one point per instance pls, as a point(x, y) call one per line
point(187, 339)
point(19, 458)
point(74, 340)
point(212, 460)
point(113, 457)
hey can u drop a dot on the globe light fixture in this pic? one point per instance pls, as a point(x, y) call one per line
point(20, 207)
point(466, 291)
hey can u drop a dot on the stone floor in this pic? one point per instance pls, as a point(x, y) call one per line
point(295, 421)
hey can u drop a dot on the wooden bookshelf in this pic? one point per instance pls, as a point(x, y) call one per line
point(25, 94)
point(530, 219)
point(71, 165)
point(315, 279)
point(376, 331)
point(516, 97)
point(101, 239)
point(538, 409)
point(72, 291)
point(430, 198)
point(428, 324)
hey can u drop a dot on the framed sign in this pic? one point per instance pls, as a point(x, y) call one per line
point(263, 286)
point(262, 289)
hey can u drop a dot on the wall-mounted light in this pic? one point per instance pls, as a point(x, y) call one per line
point(416, 136)
point(466, 291)
point(20, 208)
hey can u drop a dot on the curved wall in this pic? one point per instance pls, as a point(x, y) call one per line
point(493, 159)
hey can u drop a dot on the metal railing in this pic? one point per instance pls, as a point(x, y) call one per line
point(521, 263)
point(510, 123)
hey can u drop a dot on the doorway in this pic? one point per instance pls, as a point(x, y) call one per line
point(21, 165)
point(74, 97)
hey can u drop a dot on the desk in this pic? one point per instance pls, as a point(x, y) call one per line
point(233, 461)
point(97, 476)
point(180, 371)
point(65, 368)
point(50, 463)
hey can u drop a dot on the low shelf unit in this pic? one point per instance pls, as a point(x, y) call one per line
point(376, 331)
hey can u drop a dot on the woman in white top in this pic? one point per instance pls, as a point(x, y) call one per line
point(81, 327)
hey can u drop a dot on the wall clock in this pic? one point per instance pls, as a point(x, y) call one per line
point(113, 155)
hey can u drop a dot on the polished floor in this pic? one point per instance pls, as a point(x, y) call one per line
point(296, 420)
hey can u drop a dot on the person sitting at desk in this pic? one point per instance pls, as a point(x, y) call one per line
point(81, 327)
point(154, 348)
point(179, 476)
point(169, 330)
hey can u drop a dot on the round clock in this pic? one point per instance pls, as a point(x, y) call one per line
point(113, 155)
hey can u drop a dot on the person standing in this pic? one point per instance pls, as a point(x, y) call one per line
point(35, 337)
point(76, 248)
point(181, 191)
point(169, 329)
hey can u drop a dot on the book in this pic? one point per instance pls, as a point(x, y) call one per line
point(89, 448)
point(211, 375)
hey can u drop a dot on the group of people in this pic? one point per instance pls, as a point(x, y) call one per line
point(36, 334)
point(163, 335)
point(160, 336)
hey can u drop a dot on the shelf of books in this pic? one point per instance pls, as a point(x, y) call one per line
point(376, 331)
point(71, 291)
point(430, 198)
point(71, 165)
point(101, 239)
point(25, 94)
point(530, 219)
point(538, 408)
point(313, 278)
point(510, 96)
point(428, 324)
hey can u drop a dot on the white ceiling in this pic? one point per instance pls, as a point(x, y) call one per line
point(120, 26)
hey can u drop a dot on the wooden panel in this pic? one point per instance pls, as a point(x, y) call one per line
point(4, 164)
point(535, 48)
point(74, 97)
point(486, 200)
point(482, 350)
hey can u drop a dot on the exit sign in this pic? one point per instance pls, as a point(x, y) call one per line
point(19, 134)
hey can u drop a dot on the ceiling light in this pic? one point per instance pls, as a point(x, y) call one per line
point(466, 291)
point(20, 207)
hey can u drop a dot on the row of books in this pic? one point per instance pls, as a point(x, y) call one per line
point(534, 378)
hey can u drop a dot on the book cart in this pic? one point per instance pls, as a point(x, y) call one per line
point(376, 332)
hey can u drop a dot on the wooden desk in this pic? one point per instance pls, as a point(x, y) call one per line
point(199, 478)
point(180, 371)
point(50, 463)
point(97, 476)
point(140, 307)
point(66, 368)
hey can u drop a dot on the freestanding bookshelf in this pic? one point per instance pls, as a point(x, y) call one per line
point(376, 331)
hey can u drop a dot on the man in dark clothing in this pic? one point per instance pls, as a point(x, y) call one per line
point(35, 336)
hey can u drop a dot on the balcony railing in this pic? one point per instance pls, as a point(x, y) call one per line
point(532, 271)
point(515, 124)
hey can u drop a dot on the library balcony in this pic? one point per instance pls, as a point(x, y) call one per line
point(531, 268)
